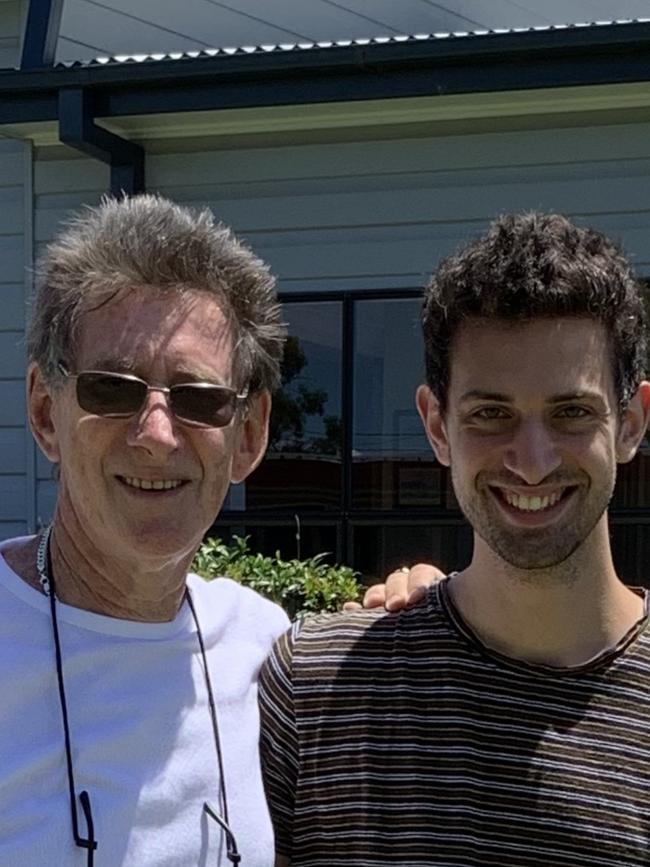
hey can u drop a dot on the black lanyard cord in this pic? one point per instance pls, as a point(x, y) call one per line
point(47, 581)
point(231, 845)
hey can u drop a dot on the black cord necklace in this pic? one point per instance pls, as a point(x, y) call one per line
point(46, 578)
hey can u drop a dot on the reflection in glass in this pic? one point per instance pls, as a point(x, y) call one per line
point(631, 551)
point(377, 550)
point(633, 481)
point(393, 465)
point(292, 540)
point(302, 468)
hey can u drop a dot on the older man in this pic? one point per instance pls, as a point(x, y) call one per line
point(129, 724)
point(507, 720)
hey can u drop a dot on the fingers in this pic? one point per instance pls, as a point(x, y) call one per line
point(423, 575)
point(375, 596)
point(404, 587)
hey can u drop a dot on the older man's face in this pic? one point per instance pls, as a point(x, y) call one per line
point(164, 339)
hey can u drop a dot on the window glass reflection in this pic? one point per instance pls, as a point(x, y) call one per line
point(393, 465)
point(302, 468)
point(633, 481)
point(378, 549)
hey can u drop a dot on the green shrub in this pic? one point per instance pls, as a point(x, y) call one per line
point(299, 586)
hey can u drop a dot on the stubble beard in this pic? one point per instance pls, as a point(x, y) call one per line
point(531, 549)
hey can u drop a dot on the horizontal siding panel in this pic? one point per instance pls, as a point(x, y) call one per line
point(10, 17)
point(12, 258)
point(12, 354)
point(13, 498)
point(12, 210)
point(451, 153)
point(264, 193)
point(51, 215)
point(9, 53)
point(12, 403)
point(354, 259)
point(13, 448)
point(45, 501)
point(75, 175)
point(12, 307)
point(368, 283)
point(404, 250)
point(9, 529)
point(11, 162)
point(44, 468)
point(429, 205)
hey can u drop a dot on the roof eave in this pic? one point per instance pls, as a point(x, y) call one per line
point(617, 53)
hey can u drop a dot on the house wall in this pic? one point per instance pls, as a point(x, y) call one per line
point(362, 215)
point(16, 449)
point(12, 14)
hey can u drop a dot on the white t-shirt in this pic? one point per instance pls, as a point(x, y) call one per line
point(140, 726)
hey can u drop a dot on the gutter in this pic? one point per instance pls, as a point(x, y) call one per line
point(433, 66)
point(607, 54)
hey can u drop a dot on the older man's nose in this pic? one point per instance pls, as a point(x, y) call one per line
point(154, 427)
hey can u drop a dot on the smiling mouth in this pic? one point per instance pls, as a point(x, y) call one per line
point(528, 503)
point(152, 484)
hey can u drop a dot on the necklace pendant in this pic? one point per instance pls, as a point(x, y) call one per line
point(41, 564)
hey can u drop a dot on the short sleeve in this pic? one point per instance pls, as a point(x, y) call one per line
point(279, 739)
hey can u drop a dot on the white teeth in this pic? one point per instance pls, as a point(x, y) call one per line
point(147, 485)
point(532, 504)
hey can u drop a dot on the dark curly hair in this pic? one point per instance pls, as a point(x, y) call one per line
point(534, 265)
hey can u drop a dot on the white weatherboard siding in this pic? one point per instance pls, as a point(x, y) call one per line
point(380, 214)
point(61, 188)
point(12, 14)
point(372, 215)
point(16, 455)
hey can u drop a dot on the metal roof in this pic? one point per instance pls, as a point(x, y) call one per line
point(398, 39)
point(115, 28)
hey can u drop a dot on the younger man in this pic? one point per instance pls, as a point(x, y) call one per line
point(506, 721)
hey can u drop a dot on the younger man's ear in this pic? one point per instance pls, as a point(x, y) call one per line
point(39, 410)
point(434, 424)
point(634, 422)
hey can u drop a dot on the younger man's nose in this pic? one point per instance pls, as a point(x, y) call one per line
point(532, 453)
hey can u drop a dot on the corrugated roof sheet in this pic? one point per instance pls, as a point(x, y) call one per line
point(343, 43)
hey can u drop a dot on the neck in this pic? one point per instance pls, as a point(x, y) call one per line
point(561, 616)
point(88, 578)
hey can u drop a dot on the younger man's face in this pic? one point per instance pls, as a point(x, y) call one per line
point(532, 434)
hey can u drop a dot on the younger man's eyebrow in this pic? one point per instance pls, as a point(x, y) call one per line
point(576, 395)
point(479, 394)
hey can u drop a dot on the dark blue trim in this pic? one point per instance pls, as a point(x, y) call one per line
point(41, 34)
point(78, 130)
point(608, 54)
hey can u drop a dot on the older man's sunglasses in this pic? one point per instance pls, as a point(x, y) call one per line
point(120, 395)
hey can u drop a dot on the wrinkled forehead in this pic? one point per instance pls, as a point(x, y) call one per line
point(144, 325)
point(531, 360)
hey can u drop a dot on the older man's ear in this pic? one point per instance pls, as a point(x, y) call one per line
point(403, 588)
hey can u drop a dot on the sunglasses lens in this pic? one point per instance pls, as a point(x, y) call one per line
point(205, 405)
point(109, 394)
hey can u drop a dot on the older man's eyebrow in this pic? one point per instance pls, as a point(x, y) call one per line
point(111, 362)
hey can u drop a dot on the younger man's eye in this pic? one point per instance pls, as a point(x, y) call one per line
point(573, 411)
point(490, 413)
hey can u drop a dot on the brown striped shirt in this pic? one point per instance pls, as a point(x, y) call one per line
point(400, 739)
